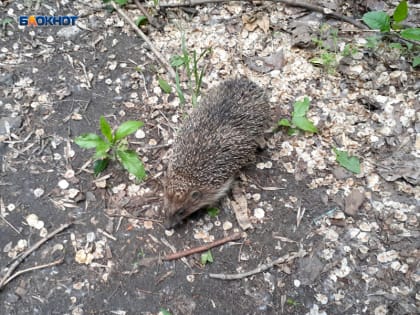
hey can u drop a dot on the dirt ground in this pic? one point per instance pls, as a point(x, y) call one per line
point(356, 236)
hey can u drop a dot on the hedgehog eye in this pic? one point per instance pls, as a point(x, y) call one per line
point(195, 194)
point(181, 212)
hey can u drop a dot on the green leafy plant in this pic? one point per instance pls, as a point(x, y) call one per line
point(4, 22)
point(299, 120)
point(292, 302)
point(327, 49)
point(164, 312)
point(350, 163)
point(113, 146)
point(213, 212)
point(120, 2)
point(141, 20)
point(206, 257)
point(189, 62)
point(380, 20)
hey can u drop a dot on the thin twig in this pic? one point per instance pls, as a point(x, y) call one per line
point(10, 224)
point(146, 39)
point(150, 19)
point(324, 11)
point(285, 259)
point(195, 250)
point(54, 263)
point(298, 4)
point(30, 250)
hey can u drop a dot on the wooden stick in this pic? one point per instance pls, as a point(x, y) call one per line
point(56, 262)
point(191, 251)
point(146, 39)
point(299, 4)
point(285, 259)
point(30, 250)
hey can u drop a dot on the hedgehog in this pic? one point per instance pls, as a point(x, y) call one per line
point(218, 139)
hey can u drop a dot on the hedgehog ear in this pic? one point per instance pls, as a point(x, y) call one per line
point(196, 194)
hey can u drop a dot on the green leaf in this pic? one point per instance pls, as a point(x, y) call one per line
point(284, 122)
point(99, 166)
point(6, 21)
point(304, 123)
point(89, 141)
point(127, 128)
point(178, 89)
point(102, 151)
point(416, 61)
point(141, 20)
point(350, 163)
point(105, 128)
point(132, 163)
point(292, 131)
point(411, 33)
point(213, 212)
point(396, 46)
point(206, 257)
point(401, 11)
point(121, 2)
point(164, 311)
point(300, 108)
point(177, 61)
point(164, 86)
point(377, 20)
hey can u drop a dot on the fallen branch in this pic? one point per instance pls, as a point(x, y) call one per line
point(285, 259)
point(54, 263)
point(29, 251)
point(161, 59)
point(298, 4)
point(195, 250)
point(325, 11)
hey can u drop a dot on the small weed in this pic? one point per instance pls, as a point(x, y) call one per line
point(382, 21)
point(350, 163)
point(327, 56)
point(189, 62)
point(164, 312)
point(4, 22)
point(213, 212)
point(292, 302)
point(206, 257)
point(113, 146)
point(299, 120)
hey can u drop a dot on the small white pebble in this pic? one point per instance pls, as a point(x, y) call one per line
point(227, 226)
point(101, 184)
point(256, 197)
point(296, 282)
point(387, 256)
point(190, 278)
point(259, 213)
point(140, 134)
point(69, 174)
point(152, 142)
point(11, 207)
point(50, 39)
point(321, 298)
point(169, 232)
point(38, 192)
point(32, 219)
point(63, 184)
point(43, 232)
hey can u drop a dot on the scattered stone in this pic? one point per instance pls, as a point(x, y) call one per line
point(353, 202)
point(8, 124)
